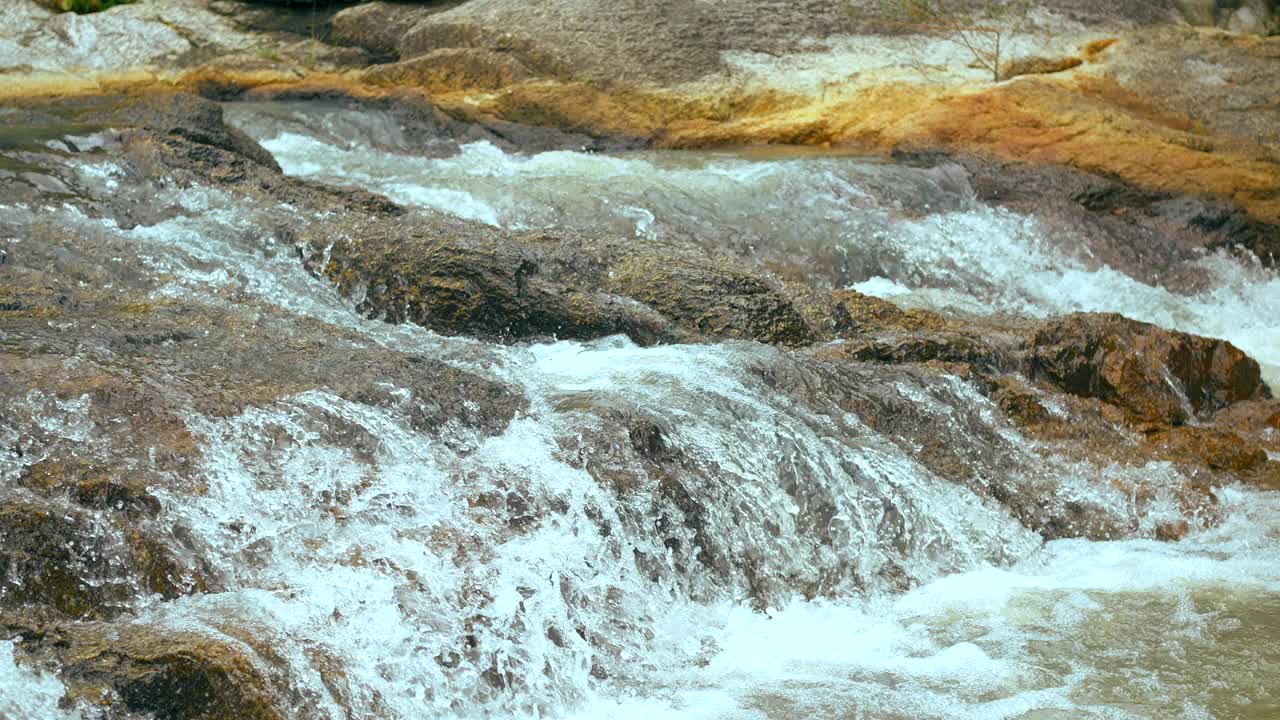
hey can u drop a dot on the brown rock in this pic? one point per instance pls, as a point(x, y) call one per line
point(450, 68)
point(713, 298)
point(853, 313)
point(1257, 420)
point(1037, 65)
point(162, 673)
point(91, 484)
point(378, 26)
point(921, 347)
point(1020, 404)
point(460, 277)
point(1155, 375)
point(1213, 448)
point(54, 558)
point(187, 116)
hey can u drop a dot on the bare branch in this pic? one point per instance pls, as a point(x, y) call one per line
point(984, 42)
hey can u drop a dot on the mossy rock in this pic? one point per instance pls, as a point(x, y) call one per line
point(81, 7)
point(60, 562)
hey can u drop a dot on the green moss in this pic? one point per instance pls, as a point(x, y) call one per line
point(269, 54)
point(87, 6)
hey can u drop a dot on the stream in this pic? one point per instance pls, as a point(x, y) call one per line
point(449, 573)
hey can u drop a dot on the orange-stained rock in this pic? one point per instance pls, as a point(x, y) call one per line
point(1093, 49)
point(1094, 124)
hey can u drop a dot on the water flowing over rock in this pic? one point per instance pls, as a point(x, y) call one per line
point(415, 379)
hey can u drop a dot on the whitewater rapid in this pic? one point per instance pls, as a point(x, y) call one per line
point(916, 236)
point(585, 611)
point(986, 643)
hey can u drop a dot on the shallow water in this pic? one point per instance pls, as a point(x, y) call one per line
point(394, 551)
point(1132, 629)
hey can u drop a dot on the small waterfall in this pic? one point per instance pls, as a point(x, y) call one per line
point(701, 531)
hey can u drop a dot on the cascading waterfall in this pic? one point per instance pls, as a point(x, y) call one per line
point(738, 554)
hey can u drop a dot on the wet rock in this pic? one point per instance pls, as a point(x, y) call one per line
point(91, 485)
point(715, 299)
point(159, 672)
point(945, 426)
point(459, 277)
point(1153, 236)
point(897, 348)
point(1020, 403)
point(56, 559)
point(439, 396)
point(1223, 224)
point(1094, 379)
point(206, 348)
point(451, 277)
point(172, 114)
point(223, 359)
point(402, 121)
point(1257, 420)
point(1210, 447)
point(852, 313)
point(186, 116)
point(869, 329)
point(1153, 374)
point(99, 380)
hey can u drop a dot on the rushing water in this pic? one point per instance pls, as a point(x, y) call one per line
point(470, 576)
point(914, 235)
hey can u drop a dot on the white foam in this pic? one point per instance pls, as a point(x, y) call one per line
point(986, 260)
point(968, 645)
point(26, 693)
point(881, 287)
